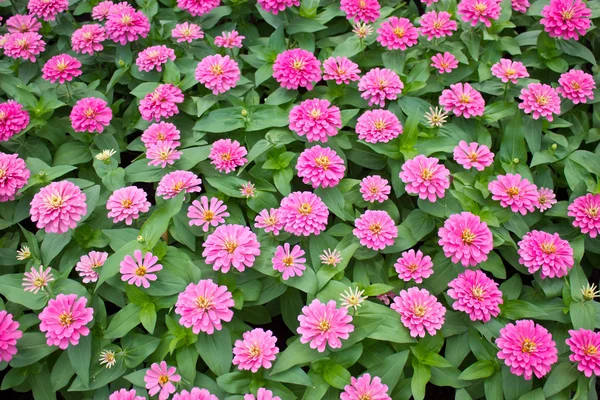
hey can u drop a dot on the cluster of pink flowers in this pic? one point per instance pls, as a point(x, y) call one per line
point(269, 220)
point(198, 7)
point(426, 177)
point(203, 306)
point(546, 252)
point(218, 73)
point(419, 311)
point(125, 24)
point(316, 119)
point(161, 132)
point(324, 324)
point(163, 153)
point(23, 23)
point(320, 167)
point(9, 334)
point(226, 155)
point(26, 45)
point(13, 176)
point(297, 68)
point(365, 388)
point(231, 246)
point(88, 39)
point(48, 9)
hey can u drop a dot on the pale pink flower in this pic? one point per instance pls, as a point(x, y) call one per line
point(64, 320)
point(247, 190)
point(3, 39)
point(256, 349)
point(414, 266)
point(527, 348)
point(125, 394)
point(546, 198)
point(585, 346)
point(320, 167)
point(323, 324)
point(58, 207)
point(262, 394)
point(161, 103)
point(341, 70)
point(13, 119)
point(437, 24)
point(297, 68)
point(275, 6)
point(365, 388)
point(374, 188)
point(218, 73)
point(520, 5)
point(34, 280)
point(426, 177)
point(566, 19)
point(88, 39)
point(126, 204)
point(229, 40)
point(187, 32)
point(62, 68)
point(26, 45)
point(476, 294)
point(429, 2)
point(379, 85)
point(397, 33)
point(473, 155)
point(475, 11)
point(269, 220)
point(9, 334)
point(161, 132)
point(546, 252)
point(375, 229)
point(203, 306)
point(444, 63)
point(466, 239)
point(226, 155)
point(378, 126)
point(231, 246)
point(88, 265)
point(198, 7)
point(195, 394)
point(23, 23)
point(585, 210)
point(90, 114)
point(204, 214)
point(127, 25)
point(419, 311)
point(163, 154)
point(315, 119)
point(463, 100)
point(138, 271)
point(514, 192)
point(361, 10)
point(14, 174)
point(173, 183)
point(100, 12)
point(540, 100)
point(386, 298)
point(331, 257)
point(303, 213)
point(289, 262)
point(47, 9)
point(159, 379)
point(507, 70)
point(362, 29)
point(576, 86)
point(154, 57)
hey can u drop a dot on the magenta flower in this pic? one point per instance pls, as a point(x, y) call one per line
point(125, 394)
point(126, 25)
point(247, 190)
point(159, 379)
point(289, 262)
point(473, 155)
point(24, 45)
point(297, 68)
point(100, 11)
point(320, 167)
point(64, 320)
point(315, 119)
point(426, 177)
point(375, 229)
point(566, 19)
point(13, 119)
point(231, 246)
point(14, 174)
point(419, 311)
point(88, 39)
point(205, 214)
point(584, 345)
point(520, 5)
point(437, 24)
point(34, 280)
point(23, 23)
point(9, 334)
point(545, 251)
point(514, 192)
point(229, 40)
point(507, 70)
point(126, 204)
point(187, 32)
point(163, 154)
point(445, 62)
point(365, 388)
point(88, 265)
point(546, 198)
point(341, 70)
point(161, 132)
point(378, 126)
point(463, 100)
point(138, 271)
point(161, 103)
point(585, 210)
point(466, 239)
point(269, 220)
point(379, 85)
point(275, 6)
point(198, 7)
point(303, 213)
point(218, 73)
point(576, 86)
point(397, 33)
point(475, 294)
point(323, 324)
point(226, 155)
point(47, 9)
point(374, 188)
point(58, 206)
point(203, 306)
point(195, 394)
point(527, 348)
point(262, 394)
point(90, 115)
point(61, 68)
point(361, 10)
point(154, 57)
point(540, 100)
point(414, 266)
point(173, 183)
point(256, 349)
point(475, 11)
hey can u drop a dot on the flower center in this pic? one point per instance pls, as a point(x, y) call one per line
point(22, 43)
point(365, 397)
point(513, 191)
point(542, 199)
point(575, 85)
point(419, 310)
point(468, 237)
point(126, 203)
point(270, 221)
point(480, 7)
point(305, 209)
point(340, 71)
point(126, 19)
point(230, 245)
point(208, 215)
point(90, 113)
point(254, 350)
point(477, 292)
point(141, 270)
point(412, 267)
point(374, 189)
point(382, 83)
point(380, 124)
point(216, 69)
point(528, 346)
point(438, 24)
point(315, 113)
point(323, 162)
point(87, 35)
point(362, 4)
point(2, 115)
point(163, 379)
point(39, 282)
point(324, 326)
point(464, 98)
point(203, 303)
point(288, 261)
point(298, 64)
point(226, 157)
point(472, 156)
point(375, 228)
point(55, 201)
point(426, 174)
point(510, 72)
point(592, 212)
point(568, 13)
point(177, 186)
point(399, 32)
point(548, 248)
point(542, 100)
point(2, 173)
point(66, 319)
point(61, 65)
point(590, 350)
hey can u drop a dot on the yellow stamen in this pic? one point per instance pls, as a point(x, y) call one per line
point(468, 237)
point(66, 319)
point(305, 209)
point(528, 346)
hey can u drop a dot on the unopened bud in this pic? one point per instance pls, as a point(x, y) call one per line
point(141, 239)
point(515, 160)
point(554, 146)
point(244, 113)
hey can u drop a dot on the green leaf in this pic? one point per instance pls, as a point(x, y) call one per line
point(221, 120)
point(421, 375)
point(519, 309)
point(296, 354)
point(41, 385)
point(158, 223)
point(80, 357)
point(583, 314)
point(112, 265)
point(576, 49)
point(562, 375)
point(11, 287)
point(53, 244)
point(390, 369)
point(336, 375)
point(265, 116)
point(62, 372)
point(137, 347)
point(334, 200)
point(148, 317)
point(293, 375)
point(478, 370)
point(123, 321)
point(31, 348)
point(216, 350)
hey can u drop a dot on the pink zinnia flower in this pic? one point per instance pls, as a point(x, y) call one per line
point(195, 394)
point(463, 100)
point(198, 7)
point(275, 6)
point(204, 214)
point(173, 183)
point(375, 229)
point(323, 324)
point(218, 73)
point(585, 346)
point(88, 39)
point(229, 40)
point(576, 86)
point(58, 206)
point(24, 45)
point(566, 19)
point(89, 263)
point(545, 251)
point(419, 311)
point(540, 100)
point(297, 68)
point(9, 334)
point(374, 188)
point(315, 119)
point(289, 262)
point(47, 9)
point(437, 24)
point(341, 70)
point(23, 23)
point(508, 70)
point(476, 295)
point(546, 198)
point(61, 68)
point(161, 103)
point(262, 394)
point(36, 280)
point(445, 62)
point(126, 204)
point(269, 220)
point(475, 11)
point(585, 210)
point(64, 320)
point(127, 25)
point(154, 57)
point(13, 176)
point(159, 379)
point(397, 33)
point(137, 270)
point(203, 306)
point(466, 239)
point(100, 11)
point(414, 266)
point(514, 192)
point(303, 213)
point(379, 85)
point(187, 32)
point(320, 167)
point(426, 177)
point(90, 114)
point(247, 190)
point(256, 349)
point(378, 126)
point(231, 246)
point(125, 394)
point(473, 155)
point(226, 155)
point(161, 132)
point(527, 348)
point(163, 154)
point(361, 10)
point(520, 5)
point(365, 388)
point(13, 119)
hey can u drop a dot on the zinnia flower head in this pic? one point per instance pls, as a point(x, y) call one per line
point(361, 10)
point(473, 155)
point(397, 33)
point(126, 25)
point(303, 213)
point(262, 394)
point(64, 320)
point(226, 155)
point(527, 348)
point(316, 119)
point(566, 19)
point(507, 70)
point(475, 11)
point(426, 177)
point(88, 265)
point(545, 251)
point(101, 10)
point(540, 100)
point(24, 45)
point(275, 6)
point(475, 294)
point(379, 85)
point(138, 270)
point(195, 394)
point(352, 298)
point(463, 100)
point(323, 324)
point(198, 7)
point(229, 40)
point(126, 204)
point(58, 206)
point(206, 214)
point(289, 262)
point(375, 229)
point(585, 349)
point(320, 167)
point(520, 5)
point(546, 198)
point(159, 379)
point(107, 358)
point(437, 24)
point(13, 119)
point(247, 190)
point(576, 86)
point(297, 68)
point(374, 188)
point(362, 29)
point(47, 9)
point(23, 23)
point(154, 57)
point(445, 62)
point(161, 103)
point(34, 280)
point(203, 305)
point(173, 183)
point(466, 239)
point(269, 220)
point(24, 253)
point(161, 132)
point(187, 32)
point(331, 257)
point(375, 126)
point(419, 311)
point(14, 174)
point(514, 192)
point(256, 349)
point(62, 68)
point(231, 246)
point(163, 154)
point(586, 211)
point(90, 114)
point(125, 394)
point(414, 266)
point(88, 39)
point(436, 117)
point(9, 334)
point(365, 388)
point(341, 70)
point(218, 73)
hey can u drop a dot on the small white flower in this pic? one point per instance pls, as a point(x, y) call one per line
point(331, 257)
point(589, 292)
point(436, 117)
point(105, 155)
point(108, 357)
point(362, 30)
point(23, 253)
point(352, 298)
